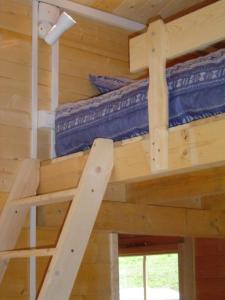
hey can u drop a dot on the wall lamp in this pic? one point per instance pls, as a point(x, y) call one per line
point(52, 24)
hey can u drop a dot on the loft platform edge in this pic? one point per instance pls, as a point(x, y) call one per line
point(192, 147)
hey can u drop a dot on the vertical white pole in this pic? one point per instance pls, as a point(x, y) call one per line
point(54, 89)
point(34, 115)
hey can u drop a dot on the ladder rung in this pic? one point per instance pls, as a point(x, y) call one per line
point(27, 253)
point(62, 196)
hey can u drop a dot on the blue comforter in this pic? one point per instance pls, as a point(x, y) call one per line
point(196, 90)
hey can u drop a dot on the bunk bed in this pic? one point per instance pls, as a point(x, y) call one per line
point(192, 148)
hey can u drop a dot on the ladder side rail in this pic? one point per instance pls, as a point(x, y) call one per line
point(79, 223)
point(12, 220)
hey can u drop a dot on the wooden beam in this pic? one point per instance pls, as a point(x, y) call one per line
point(149, 249)
point(207, 24)
point(152, 220)
point(187, 269)
point(192, 147)
point(185, 189)
point(204, 189)
point(158, 95)
point(24, 253)
point(114, 271)
point(214, 202)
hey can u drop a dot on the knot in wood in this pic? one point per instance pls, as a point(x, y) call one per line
point(98, 169)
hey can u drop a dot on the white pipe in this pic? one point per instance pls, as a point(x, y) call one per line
point(32, 285)
point(34, 117)
point(54, 89)
point(34, 107)
point(97, 15)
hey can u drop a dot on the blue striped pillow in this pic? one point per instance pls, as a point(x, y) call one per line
point(105, 84)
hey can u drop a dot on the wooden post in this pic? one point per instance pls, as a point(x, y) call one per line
point(187, 269)
point(114, 260)
point(158, 95)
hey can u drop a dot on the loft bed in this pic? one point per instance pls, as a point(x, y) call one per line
point(184, 148)
point(195, 148)
point(192, 150)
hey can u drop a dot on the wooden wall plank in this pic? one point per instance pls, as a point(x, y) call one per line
point(215, 202)
point(151, 220)
point(8, 170)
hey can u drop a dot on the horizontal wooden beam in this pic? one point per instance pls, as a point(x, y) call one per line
point(23, 253)
point(191, 32)
point(182, 190)
point(192, 147)
point(151, 220)
point(148, 249)
point(204, 189)
point(214, 202)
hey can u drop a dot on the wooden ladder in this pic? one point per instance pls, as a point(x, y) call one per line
point(76, 231)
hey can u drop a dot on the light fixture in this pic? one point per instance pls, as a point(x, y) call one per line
point(51, 24)
point(64, 23)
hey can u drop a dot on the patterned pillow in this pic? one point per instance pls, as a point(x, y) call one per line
point(106, 84)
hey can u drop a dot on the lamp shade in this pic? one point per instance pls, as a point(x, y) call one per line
point(64, 23)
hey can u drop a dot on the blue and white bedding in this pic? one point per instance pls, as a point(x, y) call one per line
point(196, 90)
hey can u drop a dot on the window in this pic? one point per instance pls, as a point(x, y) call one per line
point(131, 278)
point(149, 277)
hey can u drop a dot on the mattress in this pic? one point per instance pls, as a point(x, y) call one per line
point(196, 91)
